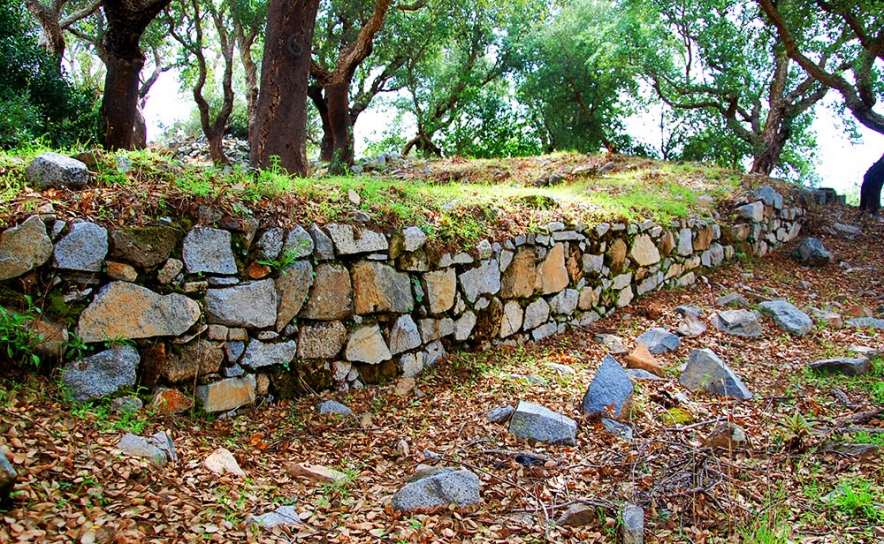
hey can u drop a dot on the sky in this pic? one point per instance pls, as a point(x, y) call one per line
point(841, 164)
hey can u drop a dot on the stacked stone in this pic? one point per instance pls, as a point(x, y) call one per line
point(337, 306)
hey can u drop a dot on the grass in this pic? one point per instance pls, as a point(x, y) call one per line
point(858, 499)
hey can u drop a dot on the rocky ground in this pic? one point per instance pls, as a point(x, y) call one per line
point(788, 464)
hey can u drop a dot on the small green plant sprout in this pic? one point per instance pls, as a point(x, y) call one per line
point(288, 257)
point(795, 429)
point(17, 339)
point(858, 499)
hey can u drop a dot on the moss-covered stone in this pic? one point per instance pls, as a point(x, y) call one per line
point(146, 247)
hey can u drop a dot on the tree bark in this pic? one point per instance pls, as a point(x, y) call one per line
point(327, 147)
point(126, 23)
point(338, 99)
point(281, 125)
point(870, 191)
point(251, 70)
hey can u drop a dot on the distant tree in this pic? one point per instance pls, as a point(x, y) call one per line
point(858, 27)
point(280, 129)
point(249, 20)
point(54, 21)
point(126, 22)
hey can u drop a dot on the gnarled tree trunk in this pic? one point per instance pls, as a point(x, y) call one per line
point(281, 125)
point(870, 192)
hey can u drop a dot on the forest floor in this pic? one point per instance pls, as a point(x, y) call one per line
point(74, 486)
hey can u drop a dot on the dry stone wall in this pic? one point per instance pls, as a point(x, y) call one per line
point(229, 312)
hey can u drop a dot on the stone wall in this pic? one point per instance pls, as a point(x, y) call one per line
point(232, 312)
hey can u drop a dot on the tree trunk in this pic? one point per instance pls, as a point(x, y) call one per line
point(870, 192)
point(216, 146)
point(337, 96)
point(281, 125)
point(139, 130)
point(327, 147)
point(251, 71)
point(773, 140)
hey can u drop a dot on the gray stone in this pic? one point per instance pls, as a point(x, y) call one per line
point(753, 212)
point(414, 238)
point(614, 344)
point(411, 364)
point(380, 288)
point(705, 371)
point(270, 243)
point(732, 300)
point(691, 326)
point(621, 281)
point(433, 353)
point(283, 516)
point(692, 310)
point(196, 359)
point(56, 170)
point(482, 280)
point(850, 230)
point(23, 248)
point(298, 244)
point(713, 256)
point(405, 335)
point(685, 242)
point(593, 263)
point(459, 487)
point(625, 297)
point(618, 429)
point(208, 250)
point(864, 351)
point(499, 414)
point(643, 375)
point(101, 374)
point(292, 286)
point(869, 322)
point(434, 329)
point(366, 345)
point(331, 296)
point(535, 422)
point(536, 314)
point(649, 284)
point(544, 331)
point(321, 341)
point(126, 405)
point(259, 354)
point(229, 394)
point(737, 322)
point(125, 310)
point(349, 241)
point(659, 341)
point(484, 249)
point(511, 321)
point(788, 317)
point(323, 247)
point(327, 407)
point(84, 248)
point(812, 253)
point(644, 252)
point(565, 302)
point(632, 530)
point(8, 477)
point(137, 446)
point(610, 390)
point(170, 271)
point(464, 326)
point(145, 247)
point(769, 196)
point(251, 304)
point(855, 366)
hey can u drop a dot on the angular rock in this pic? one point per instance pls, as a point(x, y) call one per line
point(298, 244)
point(769, 196)
point(500, 414)
point(226, 395)
point(380, 288)
point(441, 286)
point(737, 322)
point(8, 477)
point(659, 341)
point(169, 271)
point(869, 322)
point(208, 250)
point(618, 429)
point(327, 407)
point(520, 276)
point(292, 286)
point(434, 353)
point(614, 344)
point(259, 354)
point(323, 247)
point(589, 298)
point(137, 446)
point(812, 253)
point(83, 249)
point(251, 305)
point(541, 424)
point(170, 401)
point(413, 239)
point(732, 300)
point(349, 241)
point(482, 280)
point(322, 341)
point(101, 374)
point(727, 436)
point(565, 302)
point(331, 296)
point(460, 487)
point(270, 243)
point(316, 473)
point(644, 251)
point(846, 366)
point(641, 358)
point(578, 515)
point(617, 254)
point(121, 271)
point(685, 242)
point(404, 335)
point(864, 351)
point(366, 345)
point(411, 364)
point(55, 170)
point(51, 338)
point(705, 371)
point(544, 331)
point(126, 405)
point(23, 248)
point(511, 322)
point(145, 247)
point(434, 329)
point(283, 516)
point(625, 297)
point(464, 326)
point(196, 359)
point(788, 317)
point(610, 390)
point(632, 530)
point(222, 462)
point(691, 326)
point(643, 375)
point(752, 212)
point(536, 314)
point(552, 275)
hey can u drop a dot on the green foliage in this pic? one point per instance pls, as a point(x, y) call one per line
point(36, 99)
point(858, 499)
point(17, 341)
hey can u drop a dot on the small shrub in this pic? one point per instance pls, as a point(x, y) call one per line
point(17, 341)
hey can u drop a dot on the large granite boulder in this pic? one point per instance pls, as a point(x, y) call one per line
point(23, 248)
point(83, 249)
point(610, 390)
point(101, 374)
point(56, 170)
point(535, 422)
